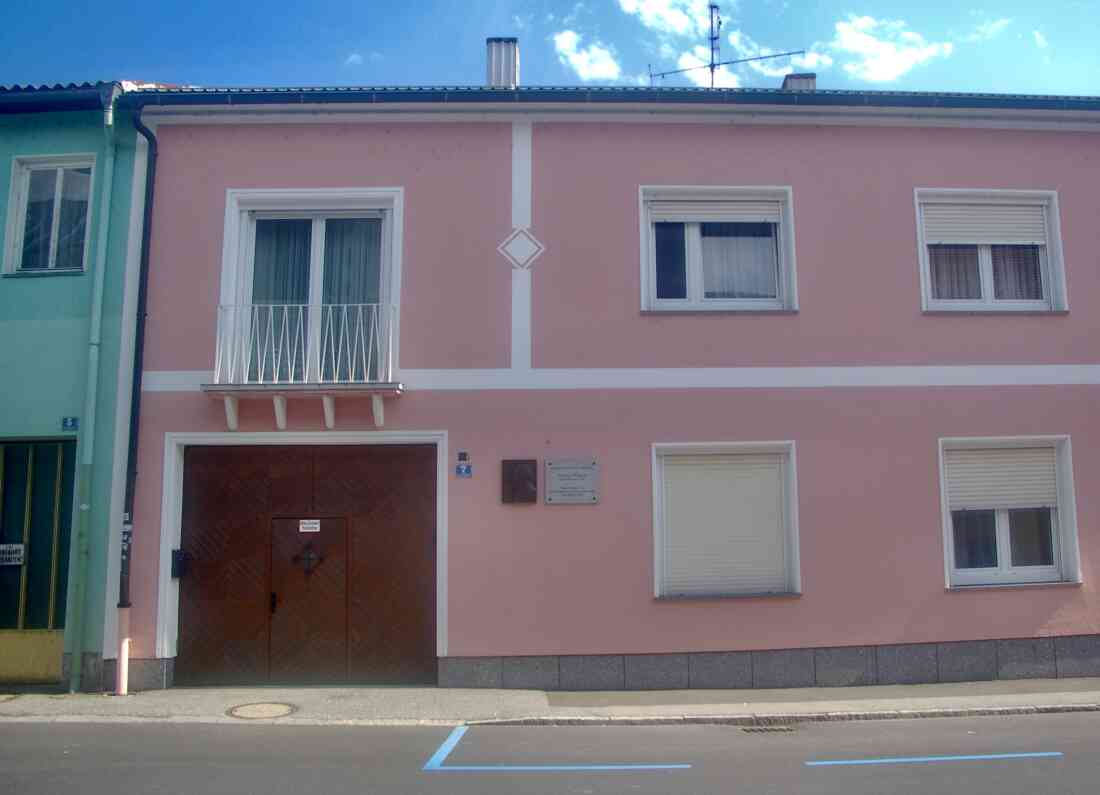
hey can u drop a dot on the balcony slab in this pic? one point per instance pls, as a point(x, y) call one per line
point(278, 394)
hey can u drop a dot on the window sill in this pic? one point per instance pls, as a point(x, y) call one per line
point(41, 273)
point(1010, 585)
point(994, 311)
point(717, 311)
point(723, 596)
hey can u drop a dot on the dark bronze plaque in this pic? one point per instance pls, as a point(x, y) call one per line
point(519, 481)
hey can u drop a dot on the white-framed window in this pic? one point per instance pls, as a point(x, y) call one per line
point(990, 250)
point(49, 212)
point(717, 248)
point(725, 519)
point(310, 285)
point(1008, 511)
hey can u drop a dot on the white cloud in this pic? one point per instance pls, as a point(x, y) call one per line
point(677, 17)
point(355, 59)
point(521, 23)
point(745, 47)
point(594, 62)
point(1040, 40)
point(700, 56)
point(883, 50)
point(988, 30)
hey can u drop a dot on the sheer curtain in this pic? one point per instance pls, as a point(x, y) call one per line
point(278, 323)
point(354, 326)
point(38, 224)
point(740, 260)
point(1016, 273)
point(955, 272)
point(75, 185)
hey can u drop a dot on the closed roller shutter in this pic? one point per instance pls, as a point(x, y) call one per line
point(716, 211)
point(724, 525)
point(1011, 477)
point(984, 223)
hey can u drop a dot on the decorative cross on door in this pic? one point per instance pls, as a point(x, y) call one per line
point(308, 559)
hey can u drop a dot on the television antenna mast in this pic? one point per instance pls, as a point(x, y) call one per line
point(715, 41)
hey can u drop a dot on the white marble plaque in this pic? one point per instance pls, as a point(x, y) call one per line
point(572, 481)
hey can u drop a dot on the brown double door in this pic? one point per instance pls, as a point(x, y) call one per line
point(308, 565)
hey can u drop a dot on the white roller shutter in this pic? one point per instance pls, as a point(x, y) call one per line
point(724, 525)
point(716, 211)
point(984, 223)
point(1009, 477)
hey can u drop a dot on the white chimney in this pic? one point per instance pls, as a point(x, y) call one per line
point(807, 81)
point(502, 64)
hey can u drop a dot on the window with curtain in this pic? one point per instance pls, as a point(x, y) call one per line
point(723, 522)
point(1004, 514)
point(996, 254)
point(718, 249)
point(51, 204)
point(316, 311)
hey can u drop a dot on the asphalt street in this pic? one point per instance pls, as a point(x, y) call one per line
point(1002, 755)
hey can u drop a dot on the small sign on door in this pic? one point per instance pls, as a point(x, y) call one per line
point(309, 525)
point(11, 554)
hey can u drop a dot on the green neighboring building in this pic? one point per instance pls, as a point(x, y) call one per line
point(72, 177)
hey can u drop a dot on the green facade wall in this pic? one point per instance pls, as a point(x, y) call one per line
point(44, 328)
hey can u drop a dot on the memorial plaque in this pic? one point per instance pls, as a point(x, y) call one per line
point(519, 481)
point(572, 481)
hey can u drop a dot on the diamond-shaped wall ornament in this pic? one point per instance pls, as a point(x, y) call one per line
point(521, 248)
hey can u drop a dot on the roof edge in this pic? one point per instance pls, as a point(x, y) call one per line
point(46, 99)
point(585, 96)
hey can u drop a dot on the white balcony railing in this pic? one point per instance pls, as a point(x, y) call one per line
point(305, 344)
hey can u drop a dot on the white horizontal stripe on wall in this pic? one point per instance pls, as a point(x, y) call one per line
point(985, 223)
point(703, 377)
point(1006, 477)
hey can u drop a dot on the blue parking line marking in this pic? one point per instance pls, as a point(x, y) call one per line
point(441, 754)
point(444, 750)
point(904, 760)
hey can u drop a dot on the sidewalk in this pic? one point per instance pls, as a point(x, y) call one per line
point(305, 706)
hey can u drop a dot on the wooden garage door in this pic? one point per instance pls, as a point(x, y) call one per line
point(233, 501)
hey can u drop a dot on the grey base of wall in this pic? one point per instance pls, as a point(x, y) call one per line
point(97, 674)
point(915, 663)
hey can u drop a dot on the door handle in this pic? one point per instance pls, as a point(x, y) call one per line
point(274, 602)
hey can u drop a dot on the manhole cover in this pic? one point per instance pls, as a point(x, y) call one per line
point(261, 711)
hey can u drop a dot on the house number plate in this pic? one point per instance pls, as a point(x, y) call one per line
point(11, 554)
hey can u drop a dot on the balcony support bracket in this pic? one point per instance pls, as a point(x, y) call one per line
point(280, 411)
point(328, 403)
point(231, 415)
point(377, 410)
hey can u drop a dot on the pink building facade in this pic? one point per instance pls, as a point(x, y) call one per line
point(818, 373)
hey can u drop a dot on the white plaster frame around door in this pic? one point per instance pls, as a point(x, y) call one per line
point(171, 516)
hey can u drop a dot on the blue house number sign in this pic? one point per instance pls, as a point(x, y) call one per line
point(463, 467)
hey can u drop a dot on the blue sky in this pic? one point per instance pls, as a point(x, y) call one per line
point(935, 45)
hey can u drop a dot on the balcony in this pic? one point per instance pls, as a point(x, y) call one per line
point(281, 351)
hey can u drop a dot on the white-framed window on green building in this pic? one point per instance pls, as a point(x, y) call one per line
point(36, 498)
point(49, 213)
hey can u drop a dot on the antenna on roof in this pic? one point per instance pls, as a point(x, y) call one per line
point(715, 39)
